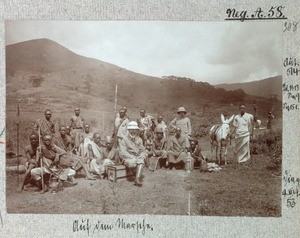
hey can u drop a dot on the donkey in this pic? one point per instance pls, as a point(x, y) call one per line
point(219, 135)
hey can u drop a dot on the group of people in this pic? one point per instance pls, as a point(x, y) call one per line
point(133, 143)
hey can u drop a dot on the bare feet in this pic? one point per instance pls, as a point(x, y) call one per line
point(90, 178)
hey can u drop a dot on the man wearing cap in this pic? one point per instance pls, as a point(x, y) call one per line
point(68, 130)
point(77, 123)
point(243, 129)
point(182, 122)
point(160, 123)
point(45, 125)
point(178, 146)
point(132, 151)
point(159, 148)
point(120, 130)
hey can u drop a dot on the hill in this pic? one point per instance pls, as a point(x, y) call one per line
point(262, 88)
point(44, 74)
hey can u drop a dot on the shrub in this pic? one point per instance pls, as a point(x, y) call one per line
point(270, 144)
point(35, 80)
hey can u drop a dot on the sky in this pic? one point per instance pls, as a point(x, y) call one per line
point(213, 52)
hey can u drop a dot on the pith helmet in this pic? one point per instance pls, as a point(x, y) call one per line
point(133, 126)
point(181, 109)
point(159, 129)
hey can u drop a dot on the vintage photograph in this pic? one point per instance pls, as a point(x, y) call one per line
point(140, 117)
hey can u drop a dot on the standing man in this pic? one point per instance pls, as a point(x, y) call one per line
point(182, 122)
point(125, 110)
point(76, 126)
point(270, 120)
point(120, 130)
point(178, 146)
point(145, 120)
point(243, 128)
point(132, 151)
point(45, 125)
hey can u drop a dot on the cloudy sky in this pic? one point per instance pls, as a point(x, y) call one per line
point(214, 52)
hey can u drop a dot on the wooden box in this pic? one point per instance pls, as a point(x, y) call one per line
point(118, 172)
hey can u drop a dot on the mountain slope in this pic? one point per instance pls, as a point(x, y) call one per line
point(261, 88)
point(44, 74)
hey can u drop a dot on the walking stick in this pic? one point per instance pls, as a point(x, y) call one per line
point(41, 159)
point(18, 138)
point(116, 98)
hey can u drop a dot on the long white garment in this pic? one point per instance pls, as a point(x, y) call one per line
point(97, 164)
point(243, 125)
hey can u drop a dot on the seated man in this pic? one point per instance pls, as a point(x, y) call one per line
point(132, 151)
point(196, 153)
point(30, 152)
point(148, 146)
point(159, 150)
point(109, 152)
point(177, 149)
point(109, 155)
point(98, 156)
point(85, 137)
point(64, 143)
point(50, 156)
point(68, 129)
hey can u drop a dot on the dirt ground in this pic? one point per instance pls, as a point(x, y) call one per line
point(236, 190)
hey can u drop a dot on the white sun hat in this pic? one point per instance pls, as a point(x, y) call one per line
point(133, 126)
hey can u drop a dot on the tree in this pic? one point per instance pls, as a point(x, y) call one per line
point(35, 80)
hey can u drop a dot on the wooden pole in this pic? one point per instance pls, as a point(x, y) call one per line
point(41, 158)
point(102, 122)
point(116, 98)
point(18, 137)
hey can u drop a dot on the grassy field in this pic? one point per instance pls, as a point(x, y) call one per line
point(234, 191)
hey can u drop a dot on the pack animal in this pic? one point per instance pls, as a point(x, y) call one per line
point(219, 136)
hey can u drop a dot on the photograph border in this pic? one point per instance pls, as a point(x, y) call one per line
point(29, 225)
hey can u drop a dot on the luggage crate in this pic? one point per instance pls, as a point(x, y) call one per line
point(118, 172)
